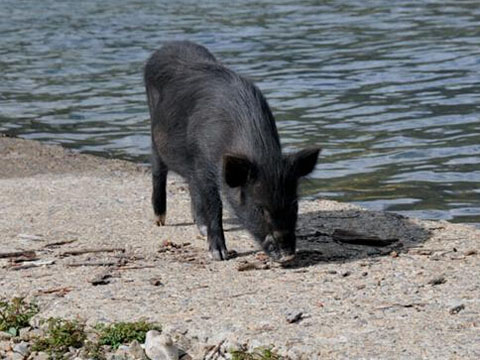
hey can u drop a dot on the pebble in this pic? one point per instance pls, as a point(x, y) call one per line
point(21, 348)
point(438, 280)
point(14, 356)
point(135, 350)
point(24, 333)
point(155, 281)
point(5, 336)
point(40, 356)
point(160, 347)
point(294, 317)
point(5, 346)
point(456, 309)
point(120, 354)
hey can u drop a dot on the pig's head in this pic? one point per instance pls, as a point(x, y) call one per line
point(264, 197)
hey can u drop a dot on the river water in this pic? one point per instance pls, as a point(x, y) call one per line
point(389, 89)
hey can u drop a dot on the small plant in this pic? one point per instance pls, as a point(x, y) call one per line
point(16, 314)
point(124, 332)
point(94, 351)
point(60, 336)
point(257, 354)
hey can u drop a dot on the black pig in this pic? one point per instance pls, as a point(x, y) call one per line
point(215, 129)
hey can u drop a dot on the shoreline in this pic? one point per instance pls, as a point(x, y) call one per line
point(357, 300)
point(146, 164)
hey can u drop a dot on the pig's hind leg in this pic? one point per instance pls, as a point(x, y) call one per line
point(159, 180)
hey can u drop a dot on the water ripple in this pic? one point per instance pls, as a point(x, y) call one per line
point(389, 89)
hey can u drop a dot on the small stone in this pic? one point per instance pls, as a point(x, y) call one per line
point(5, 336)
point(456, 309)
point(24, 333)
point(101, 279)
point(120, 354)
point(35, 333)
point(22, 348)
point(294, 317)
point(160, 347)
point(136, 351)
point(5, 346)
point(346, 273)
point(438, 280)
point(14, 356)
point(156, 281)
point(40, 356)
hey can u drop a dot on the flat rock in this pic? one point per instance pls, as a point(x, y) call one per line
point(160, 347)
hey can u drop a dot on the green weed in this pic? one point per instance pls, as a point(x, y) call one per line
point(15, 314)
point(257, 354)
point(124, 332)
point(60, 336)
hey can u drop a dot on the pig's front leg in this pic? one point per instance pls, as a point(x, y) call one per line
point(208, 208)
point(159, 180)
point(198, 210)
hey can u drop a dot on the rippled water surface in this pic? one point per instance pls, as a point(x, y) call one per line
point(390, 89)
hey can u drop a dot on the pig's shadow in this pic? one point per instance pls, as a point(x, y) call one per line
point(379, 234)
point(317, 241)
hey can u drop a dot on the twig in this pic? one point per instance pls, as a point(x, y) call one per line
point(58, 291)
point(407, 306)
point(26, 253)
point(32, 264)
point(350, 237)
point(93, 263)
point(30, 237)
point(211, 352)
point(23, 259)
point(58, 243)
point(244, 294)
point(339, 217)
point(87, 251)
point(136, 267)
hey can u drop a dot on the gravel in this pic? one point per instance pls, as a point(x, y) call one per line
point(415, 297)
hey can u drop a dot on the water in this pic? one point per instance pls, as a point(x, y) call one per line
point(390, 89)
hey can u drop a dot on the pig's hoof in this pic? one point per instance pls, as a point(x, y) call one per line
point(202, 229)
point(160, 220)
point(219, 254)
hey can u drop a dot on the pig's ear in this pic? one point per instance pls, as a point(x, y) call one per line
point(304, 161)
point(237, 170)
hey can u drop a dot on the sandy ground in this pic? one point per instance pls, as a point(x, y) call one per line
point(416, 298)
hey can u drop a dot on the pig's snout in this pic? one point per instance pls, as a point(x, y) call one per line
point(280, 246)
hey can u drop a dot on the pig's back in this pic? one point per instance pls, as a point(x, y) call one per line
point(206, 110)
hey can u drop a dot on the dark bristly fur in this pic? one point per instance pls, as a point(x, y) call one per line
point(215, 129)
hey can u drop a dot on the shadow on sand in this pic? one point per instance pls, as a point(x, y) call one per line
point(317, 239)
